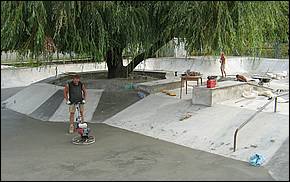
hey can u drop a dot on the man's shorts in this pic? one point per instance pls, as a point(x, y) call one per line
point(72, 108)
point(223, 66)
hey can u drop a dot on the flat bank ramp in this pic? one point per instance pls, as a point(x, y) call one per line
point(204, 128)
point(45, 102)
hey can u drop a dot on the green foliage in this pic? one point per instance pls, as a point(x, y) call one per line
point(92, 28)
point(232, 26)
point(22, 26)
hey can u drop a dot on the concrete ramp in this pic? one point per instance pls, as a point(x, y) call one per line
point(30, 98)
point(49, 107)
point(45, 102)
point(209, 129)
point(62, 114)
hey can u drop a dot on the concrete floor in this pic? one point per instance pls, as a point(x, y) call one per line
point(36, 150)
point(279, 164)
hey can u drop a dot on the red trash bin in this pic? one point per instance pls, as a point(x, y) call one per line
point(211, 83)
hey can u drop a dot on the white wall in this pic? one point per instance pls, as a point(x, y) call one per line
point(16, 77)
point(211, 66)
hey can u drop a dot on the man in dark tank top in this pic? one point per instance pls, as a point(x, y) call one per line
point(75, 92)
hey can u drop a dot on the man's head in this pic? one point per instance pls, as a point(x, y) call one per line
point(222, 53)
point(76, 79)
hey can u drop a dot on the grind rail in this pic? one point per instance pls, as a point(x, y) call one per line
point(257, 112)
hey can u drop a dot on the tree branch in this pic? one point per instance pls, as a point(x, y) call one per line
point(152, 50)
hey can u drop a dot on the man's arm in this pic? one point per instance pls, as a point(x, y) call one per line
point(65, 92)
point(84, 91)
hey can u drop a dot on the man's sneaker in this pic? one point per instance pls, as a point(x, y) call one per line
point(71, 129)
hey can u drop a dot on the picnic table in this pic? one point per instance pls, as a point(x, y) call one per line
point(189, 78)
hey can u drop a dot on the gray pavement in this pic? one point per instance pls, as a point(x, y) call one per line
point(279, 164)
point(37, 150)
point(112, 102)
point(8, 92)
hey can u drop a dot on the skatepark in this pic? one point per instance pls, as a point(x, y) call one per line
point(158, 137)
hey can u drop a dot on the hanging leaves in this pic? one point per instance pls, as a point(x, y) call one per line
point(94, 27)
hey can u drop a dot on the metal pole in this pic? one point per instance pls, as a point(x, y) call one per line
point(275, 106)
point(56, 71)
point(181, 88)
point(235, 139)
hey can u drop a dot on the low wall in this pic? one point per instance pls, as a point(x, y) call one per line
point(211, 66)
point(18, 77)
point(224, 91)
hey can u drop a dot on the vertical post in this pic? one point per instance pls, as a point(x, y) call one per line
point(56, 71)
point(186, 85)
point(275, 106)
point(235, 139)
point(181, 87)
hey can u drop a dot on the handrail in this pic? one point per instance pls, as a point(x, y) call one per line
point(257, 112)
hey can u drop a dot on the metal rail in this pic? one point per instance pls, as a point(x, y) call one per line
point(257, 112)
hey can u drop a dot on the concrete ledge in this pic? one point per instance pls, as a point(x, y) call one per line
point(152, 73)
point(224, 91)
point(157, 85)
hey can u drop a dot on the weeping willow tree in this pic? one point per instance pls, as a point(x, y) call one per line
point(106, 30)
point(232, 26)
point(103, 30)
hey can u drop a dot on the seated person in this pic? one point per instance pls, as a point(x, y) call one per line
point(241, 78)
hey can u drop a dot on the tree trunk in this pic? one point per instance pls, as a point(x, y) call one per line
point(114, 59)
point(141, 57)
point(115, 63)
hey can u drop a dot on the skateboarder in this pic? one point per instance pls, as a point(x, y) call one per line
point(75, 92)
